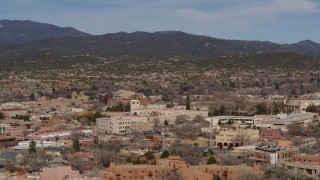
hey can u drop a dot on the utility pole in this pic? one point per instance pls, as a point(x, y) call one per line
point(162, 133)
point(210, 145)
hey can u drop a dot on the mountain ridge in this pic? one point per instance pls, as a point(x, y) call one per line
point(22, 31)
point(158, 44)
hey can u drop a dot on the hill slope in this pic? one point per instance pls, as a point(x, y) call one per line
point(164, 44)
point(26, 31)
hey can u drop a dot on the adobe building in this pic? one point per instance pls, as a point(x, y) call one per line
point(174, 165)
point(7, 141)
point(302, 142)
point(304, 164)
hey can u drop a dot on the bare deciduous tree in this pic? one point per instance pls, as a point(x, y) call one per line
point(296, 129)
point(10, 164)
point(36, 161)
point(104, 157)
point(181, 119)
point(188, 153)
point(78, 163)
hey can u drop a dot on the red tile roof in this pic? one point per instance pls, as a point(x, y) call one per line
point(270, 133)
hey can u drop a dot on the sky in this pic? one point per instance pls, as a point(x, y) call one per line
point(281, 21)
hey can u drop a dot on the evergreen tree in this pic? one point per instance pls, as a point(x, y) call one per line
point(275, 108)
point(1, 115)
point(188, 107)
point(219, 123)
point(96, 140)
point(149, 155)
point(211, 160)
point(210, 151)
point(261, 109)
point(165, 154)
point(174, 153)
point(138, 161)
point(312, 108)
point(129, 160)
point(97, 114)
point(166, 123)
point(76, 145)
point(222, 110)
point(121, 108)
point(276, 86)
point(32, 97)
point(127, 107)
point(32, 147)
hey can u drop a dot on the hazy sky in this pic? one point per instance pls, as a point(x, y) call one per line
point(284, 21)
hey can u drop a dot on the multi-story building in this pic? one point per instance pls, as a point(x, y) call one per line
point(236, 136)
point(304, 164)
point(282, 120)
point(114, 125)
point(123, 124)
point(250, 120)
point(141, 126)
point(302, 142)
point(13, 109)
point(270, 134)
point(62, 135)
point(301, 104)
point(159, 111)
point(273, 154)
point(266, 154)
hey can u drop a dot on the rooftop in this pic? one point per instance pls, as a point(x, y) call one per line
point(273, 148)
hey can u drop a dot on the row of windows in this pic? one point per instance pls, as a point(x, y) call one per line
point(120, 123)
point(136, 171)
point(304, 160)
point(230, 135)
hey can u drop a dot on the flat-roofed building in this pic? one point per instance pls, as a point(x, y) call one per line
point(7, 141)
point(270, 154)
point(62, 135)
point(304, 164)
point(39, 144)
point(250, 120)
point(141, 126)
point(123, 124)
point(270, 134)
point(302, 142)
point(59, 172)
point(3, 128)
point(282, 120)
point(273, 154)
point(162, 113)
point(236, 136)
point(174, 165)
point(300, 104)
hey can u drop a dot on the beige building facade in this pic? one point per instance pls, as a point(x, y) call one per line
point(235, 137)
